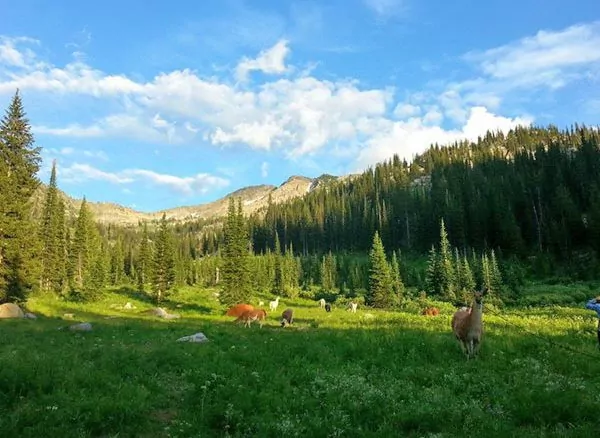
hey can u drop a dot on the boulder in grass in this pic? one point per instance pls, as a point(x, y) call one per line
point(196, 337)
point(11, 310)
point(162, 313)
point(81, 327)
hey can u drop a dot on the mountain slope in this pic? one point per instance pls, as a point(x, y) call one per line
point(253, 199)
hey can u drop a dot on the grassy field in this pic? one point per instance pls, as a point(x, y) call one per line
point(369, 374)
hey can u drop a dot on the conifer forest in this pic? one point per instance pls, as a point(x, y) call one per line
point(491, 212)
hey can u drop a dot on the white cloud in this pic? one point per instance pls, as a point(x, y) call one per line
point(386, 8)
point(136, 126)
point(404, 110)
point(264, 169)
point(547, 58)
point(301, 114)
point(413, 136)
point(271, 61)
point(78, 172)
point(200, 183)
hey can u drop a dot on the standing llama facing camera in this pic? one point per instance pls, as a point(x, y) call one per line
point(467, 325)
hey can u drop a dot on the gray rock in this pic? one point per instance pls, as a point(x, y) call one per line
point(81, 327)
point(196, 337)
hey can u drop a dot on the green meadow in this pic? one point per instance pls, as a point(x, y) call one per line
point(338, 374)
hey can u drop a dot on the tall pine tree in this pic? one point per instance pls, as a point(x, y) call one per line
point(86, 256)
point(53, 239)
point(163, 272)
point(19, 164)
point(235, 270)
point(381, 292)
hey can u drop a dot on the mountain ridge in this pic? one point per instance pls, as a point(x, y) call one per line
point(254, 198)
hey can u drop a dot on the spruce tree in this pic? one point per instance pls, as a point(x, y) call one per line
point(19, 164)
point(433, 281)
point(163, 278)
point(235, 274)
point(328, 272)
point(291, 273)
point(446, 266)
point(117, 263)
point(144, 265)
point(397, 283)
point(278, 274)
point(381, 294)
point(86, 256)
point(53, 238)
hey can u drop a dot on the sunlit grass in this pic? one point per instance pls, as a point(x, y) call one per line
point(372, 373)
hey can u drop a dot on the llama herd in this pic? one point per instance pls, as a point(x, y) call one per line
point(247, 314)
point(466, 323)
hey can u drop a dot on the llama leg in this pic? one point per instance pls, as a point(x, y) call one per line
point(463, 346)
point(476, 347)
point(470, 349)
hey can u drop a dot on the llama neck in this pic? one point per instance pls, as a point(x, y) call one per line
point(476, 313)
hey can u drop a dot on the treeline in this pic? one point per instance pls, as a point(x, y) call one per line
point(479, 210)
point(532, 192)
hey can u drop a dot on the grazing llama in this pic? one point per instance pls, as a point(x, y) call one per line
point(430, 311)
point(239, 309)
point(273, 304)
point(287, 317)
point(250, 316)
point(352, 306)
point(467, 325)
point(322, 303)
point(327, 307)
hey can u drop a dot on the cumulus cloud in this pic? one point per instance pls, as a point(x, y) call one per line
point(200, 183)
point(264, 169)
point(300, 114)
point(408, 138)
point(271, 61)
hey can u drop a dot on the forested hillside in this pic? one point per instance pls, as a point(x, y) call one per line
point(528, 199)
point(531, 191)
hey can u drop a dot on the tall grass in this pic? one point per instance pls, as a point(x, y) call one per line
point(370, 374)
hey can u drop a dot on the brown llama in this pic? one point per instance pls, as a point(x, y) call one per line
point(250, 316)
point(239, 309)
point(430, 311)
point(467, 325)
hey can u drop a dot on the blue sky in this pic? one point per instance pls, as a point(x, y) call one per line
point(159, 104)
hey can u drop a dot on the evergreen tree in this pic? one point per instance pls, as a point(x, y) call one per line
point(433, 282)
point(278, 279)
point(86, 257)
point(117, 263)
point(467, 282)
point(446, 268)
point(397, 283)
point(163, 278)
point(235, 272)
point(328, 272)
point(19, 164)
point(144, 265)
point(53, 238)
point(381, 292)
point(291, 273)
